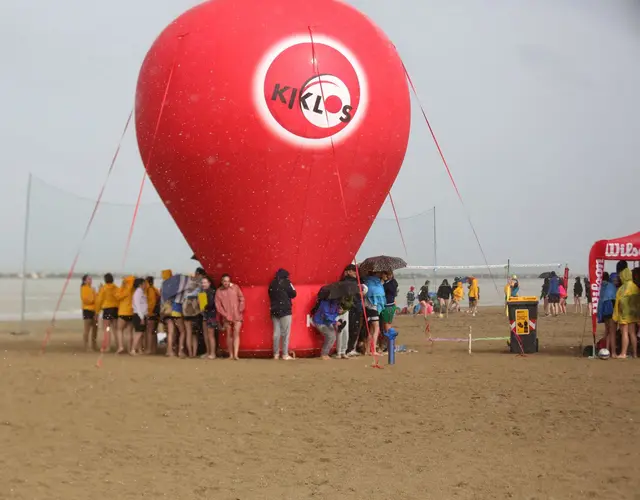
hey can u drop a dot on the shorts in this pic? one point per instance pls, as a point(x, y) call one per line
point(606, 317)
point(388, 314)
point(86, 314)
point(138, 324)
point(197, 318)
point(126, 318)
point(371, 315)
point(110, 313)
point(152, 318)
point(473, 302)
point(554, 298)
point(210, 319)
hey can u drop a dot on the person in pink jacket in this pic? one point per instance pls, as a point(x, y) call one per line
point(230, 306)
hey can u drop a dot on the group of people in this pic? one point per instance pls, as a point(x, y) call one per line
point(193, 311)
point(446, 299)
point(555, 294)
point(619, 310)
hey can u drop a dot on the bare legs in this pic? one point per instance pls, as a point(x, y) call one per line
point(120, 335)
point(189, 338)
point(232, 329)
point(209, 339)
point(374, 333)
point(578, 302)
point(151, 342)
point(90, 328)
point(174, 324)
point(107, 326)
point(629, 337)
point(546, 305)
point(610, 328)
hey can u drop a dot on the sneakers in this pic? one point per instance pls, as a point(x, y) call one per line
point(353, 354)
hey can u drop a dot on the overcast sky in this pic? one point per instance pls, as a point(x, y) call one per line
point(535, 103)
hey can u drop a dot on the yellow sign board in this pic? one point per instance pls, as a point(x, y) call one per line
point(522, 321)
point(524, 299)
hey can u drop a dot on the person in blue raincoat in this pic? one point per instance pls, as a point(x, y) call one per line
point(606, 306)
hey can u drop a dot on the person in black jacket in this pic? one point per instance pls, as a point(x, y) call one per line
point(281, 291)
point(209, 317)
point(355, 314)
point(444, 296)
point(577, 295)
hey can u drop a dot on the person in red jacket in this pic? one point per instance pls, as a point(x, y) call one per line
point(230, 306)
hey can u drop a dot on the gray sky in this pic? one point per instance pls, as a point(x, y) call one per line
point(535, 104)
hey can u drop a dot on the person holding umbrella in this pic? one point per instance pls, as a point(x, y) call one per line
point(376, 298)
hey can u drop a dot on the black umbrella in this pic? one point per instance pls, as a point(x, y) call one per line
point(339, 290)
point(544, 276)
point(382, 263)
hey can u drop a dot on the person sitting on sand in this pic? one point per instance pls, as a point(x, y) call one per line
point(89, 320)
point(325, 320)
point(230, 306)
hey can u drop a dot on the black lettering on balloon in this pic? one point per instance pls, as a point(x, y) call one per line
point(292, 99)
point(303, 100)
point(279, 93)
point(316, 107)
point(346, 113)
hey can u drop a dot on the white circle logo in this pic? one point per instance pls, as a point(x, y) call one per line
point(310, 94)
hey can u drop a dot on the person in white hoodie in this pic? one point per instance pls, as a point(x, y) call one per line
point(140, 311)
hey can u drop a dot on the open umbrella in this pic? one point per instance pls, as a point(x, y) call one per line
point(544, 276)
point(382, 263)
point(339, 290)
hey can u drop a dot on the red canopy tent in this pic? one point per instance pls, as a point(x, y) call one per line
point(625, 248)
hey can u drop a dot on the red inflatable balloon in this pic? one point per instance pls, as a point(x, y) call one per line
point(273, 131)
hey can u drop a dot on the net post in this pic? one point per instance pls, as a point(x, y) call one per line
point(23, 299)
point(470, 340)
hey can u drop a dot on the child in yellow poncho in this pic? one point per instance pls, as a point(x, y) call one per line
point(458, 295)
point(627, 312)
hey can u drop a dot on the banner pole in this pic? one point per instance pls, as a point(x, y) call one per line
point(23, 304)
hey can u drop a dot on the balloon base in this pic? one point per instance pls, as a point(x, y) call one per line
point(256, 336)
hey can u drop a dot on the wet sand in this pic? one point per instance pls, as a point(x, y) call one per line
point(437, 425)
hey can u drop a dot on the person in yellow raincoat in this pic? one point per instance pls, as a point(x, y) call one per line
point(626, 313)
point(124, 294)
point(458, 296)
point(88, 299)
point(108, 304)
point(153, 300)
point(474, 295)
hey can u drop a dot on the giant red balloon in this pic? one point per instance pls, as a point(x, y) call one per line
point(272, 131)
